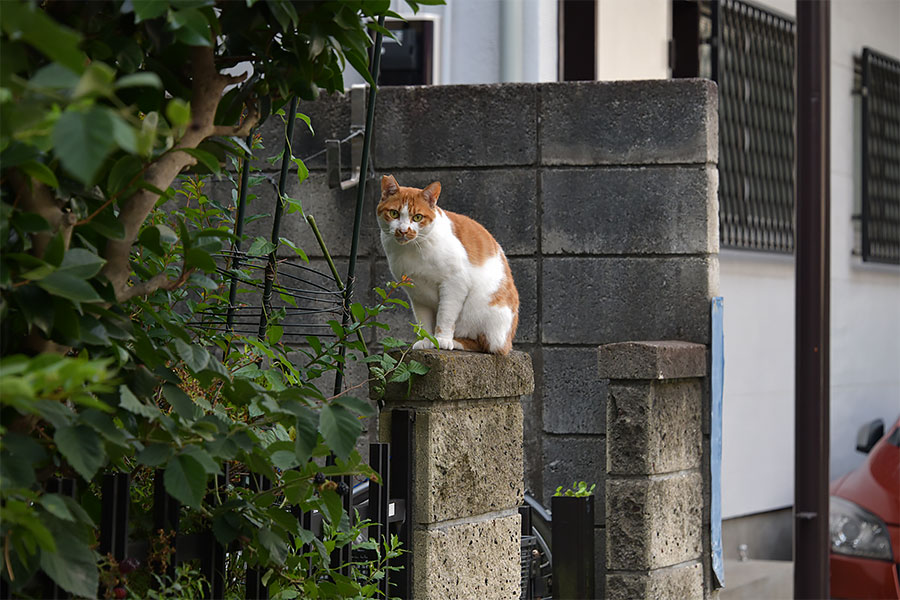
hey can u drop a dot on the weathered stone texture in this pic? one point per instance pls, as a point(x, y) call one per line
point(629, 122)
point(436, 127)
point(604, 300)
point(468, 460)
point(683, 582)
point(653, 522)
point(469, 560)
point(644, 210)
point(652, 360)
point(457, 375)
point(574, 398)
point(653, 428)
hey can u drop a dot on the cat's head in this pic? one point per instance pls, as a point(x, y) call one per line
point(406, 212)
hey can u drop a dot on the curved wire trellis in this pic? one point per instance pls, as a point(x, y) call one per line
point(310, 297)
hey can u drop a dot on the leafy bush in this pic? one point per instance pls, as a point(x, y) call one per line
point(579, 489)
point(107, 259)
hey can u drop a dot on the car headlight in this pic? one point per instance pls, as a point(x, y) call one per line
point(857, 532)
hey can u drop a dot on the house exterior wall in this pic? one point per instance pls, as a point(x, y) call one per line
point(759, 307)
point(758, 287)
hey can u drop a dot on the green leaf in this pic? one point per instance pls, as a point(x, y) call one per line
point(41, 172)
point(190, 27)
point(83, 140)
point(122, 173)
point(195, 257)
point(181, 402)
point(74, 565)
point(69, 286)
point(81, 263)
point(56, 506)
point(302, 171)
point(149, 9)
point(125, 135)
point(202, 456)
point(143, 79)
point(55, 77)
point(195, 357)
point(307, 435)
point(185, 480)
point(178, 112)
point(306, 120)
point(355, 404)
point(81, 448)
point(261, 247)
point(28, 21)
point(154, 454)
point(359, 313)
point(96, 80)
point(130, 402)
point(340, 429)
point(273, 544)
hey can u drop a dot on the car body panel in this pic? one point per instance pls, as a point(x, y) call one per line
point(874, 486)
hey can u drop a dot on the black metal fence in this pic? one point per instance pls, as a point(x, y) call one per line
point(386, 505)
point(749, 52)
point(880, 157)
point(753, 64)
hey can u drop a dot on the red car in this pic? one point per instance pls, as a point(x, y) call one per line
point(865, 520)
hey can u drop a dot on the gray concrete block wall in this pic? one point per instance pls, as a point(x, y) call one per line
point(604, 197)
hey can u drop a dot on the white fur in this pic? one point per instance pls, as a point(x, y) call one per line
point(450, 295)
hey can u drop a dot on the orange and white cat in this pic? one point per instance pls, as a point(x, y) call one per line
point(463, 291)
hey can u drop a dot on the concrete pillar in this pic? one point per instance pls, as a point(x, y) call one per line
point(467, 472)
point(654, 485)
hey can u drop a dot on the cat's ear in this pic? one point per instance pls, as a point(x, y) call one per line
point(389, 186)
point(432, 193)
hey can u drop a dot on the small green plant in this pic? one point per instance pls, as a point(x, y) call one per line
point(579, 489)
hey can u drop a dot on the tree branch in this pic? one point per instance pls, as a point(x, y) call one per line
point(35, 197)
point(160, 281)
point(207, 87)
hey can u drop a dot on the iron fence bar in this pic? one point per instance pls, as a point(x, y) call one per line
point(361, 189)
point(402, 448)
point(114, 515)
point(272, 266)
point(239, 228)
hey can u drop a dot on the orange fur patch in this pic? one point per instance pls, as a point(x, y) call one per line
point(507, 295)
point(479, 244)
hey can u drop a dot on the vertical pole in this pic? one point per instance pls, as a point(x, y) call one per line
point(361, 189)
point(238, 234)
point(271, 266)
point(573, 548)
point(812, 302)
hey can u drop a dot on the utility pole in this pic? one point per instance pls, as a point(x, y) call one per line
point(812, 319)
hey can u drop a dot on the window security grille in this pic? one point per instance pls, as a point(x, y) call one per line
point(880, 158)
point(752, 58)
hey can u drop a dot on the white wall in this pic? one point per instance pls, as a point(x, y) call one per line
point(633, 39)
point(758, 435)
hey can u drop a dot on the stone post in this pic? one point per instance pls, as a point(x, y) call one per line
point(654, 485)
point(467, 472)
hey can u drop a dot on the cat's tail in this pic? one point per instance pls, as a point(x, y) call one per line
point(480, 344)
point(476, 345)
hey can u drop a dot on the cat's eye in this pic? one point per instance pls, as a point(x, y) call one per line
point(418, 218)
point(393, 214)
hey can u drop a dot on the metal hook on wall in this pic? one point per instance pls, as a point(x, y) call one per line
point(333, 147)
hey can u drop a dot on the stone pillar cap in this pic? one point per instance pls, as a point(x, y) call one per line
point(460, 375)
point(652, 360)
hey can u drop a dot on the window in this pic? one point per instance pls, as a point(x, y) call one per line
point(749, 52)
point(880, 217)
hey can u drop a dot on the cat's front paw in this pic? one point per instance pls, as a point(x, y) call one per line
point(423, 345)
point(445, 343)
